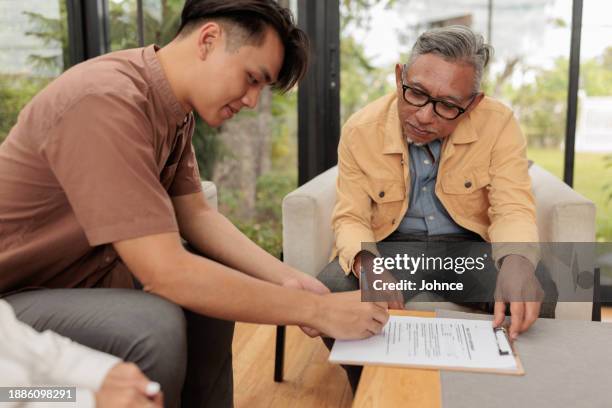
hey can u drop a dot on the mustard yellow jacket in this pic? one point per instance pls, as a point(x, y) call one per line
point(482, 180)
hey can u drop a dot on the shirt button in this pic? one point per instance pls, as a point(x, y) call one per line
point(426, 161)
point(108, 259)
point(431, 218)
point(381, 194)
point(468, 184)
point(424, 189)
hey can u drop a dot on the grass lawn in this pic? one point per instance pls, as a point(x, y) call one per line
point(590, 177)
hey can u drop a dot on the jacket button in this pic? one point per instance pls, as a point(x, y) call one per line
point(381, 194)
point(468, 184)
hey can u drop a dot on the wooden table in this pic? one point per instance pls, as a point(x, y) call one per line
point(399, 387)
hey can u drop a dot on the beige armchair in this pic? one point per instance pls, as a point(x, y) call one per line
point(563, 215)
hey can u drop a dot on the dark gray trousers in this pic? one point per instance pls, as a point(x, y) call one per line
point(190, 355)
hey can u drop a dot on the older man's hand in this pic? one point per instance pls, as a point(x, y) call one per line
point(517, 285)
point(364, 263)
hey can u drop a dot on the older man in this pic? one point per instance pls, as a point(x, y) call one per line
point(437, 161)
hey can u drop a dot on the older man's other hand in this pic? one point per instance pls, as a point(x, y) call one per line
point(518, 285)
point(364, 262)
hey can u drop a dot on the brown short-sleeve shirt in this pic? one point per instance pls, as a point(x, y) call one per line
point(93, 159)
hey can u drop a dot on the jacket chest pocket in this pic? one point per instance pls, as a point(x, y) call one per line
point(387, 199)
point(468, 190)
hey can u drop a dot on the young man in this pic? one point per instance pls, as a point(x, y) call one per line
point(99, 183)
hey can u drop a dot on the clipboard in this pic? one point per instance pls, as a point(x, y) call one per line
point(504, 346)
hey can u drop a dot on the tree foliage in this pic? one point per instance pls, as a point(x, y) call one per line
point(596, 74)
point(541, 104)
point(52, 33)
point(15, 92)
point(357, 12)
point(360, 81)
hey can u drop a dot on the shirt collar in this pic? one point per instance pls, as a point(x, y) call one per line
point(160, 82)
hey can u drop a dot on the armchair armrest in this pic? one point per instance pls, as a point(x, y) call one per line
point(307, 234)
point(563, 215)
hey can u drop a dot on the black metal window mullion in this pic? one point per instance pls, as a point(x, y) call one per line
point(76, 36)
point(140, 23)
point(319, 92)
point(87, 29)
point(572, 93)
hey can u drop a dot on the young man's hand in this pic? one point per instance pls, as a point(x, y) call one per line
point(344, 316)
point(518, 285)
point(303, 281)
point(126, 386)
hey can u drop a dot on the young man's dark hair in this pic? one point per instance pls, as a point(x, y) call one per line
point(252, 17)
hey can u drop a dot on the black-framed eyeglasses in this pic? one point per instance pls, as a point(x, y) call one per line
point(442, 108)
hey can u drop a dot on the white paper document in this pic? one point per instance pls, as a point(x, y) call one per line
point(430, 342)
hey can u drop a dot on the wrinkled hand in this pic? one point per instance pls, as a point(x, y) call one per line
point(364, 262)
point(518, 285)
point(303, 281)
point(393, 297)
point(126, 386)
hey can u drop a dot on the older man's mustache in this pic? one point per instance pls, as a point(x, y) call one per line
point(410, 125)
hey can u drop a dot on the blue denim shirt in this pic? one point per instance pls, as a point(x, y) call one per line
point(426, 214)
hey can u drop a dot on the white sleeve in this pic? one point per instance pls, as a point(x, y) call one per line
point(85, 399)
point(47, 358)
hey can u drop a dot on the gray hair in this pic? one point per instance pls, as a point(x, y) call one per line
point(455, 43)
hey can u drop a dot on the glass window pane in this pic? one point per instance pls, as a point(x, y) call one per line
point(530, 72)
point(33, 51)
point(161, 20)
point(122, 24)
point(593, 161)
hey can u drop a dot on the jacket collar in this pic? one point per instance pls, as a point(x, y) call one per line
point(464, 132)
point(393, 140)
